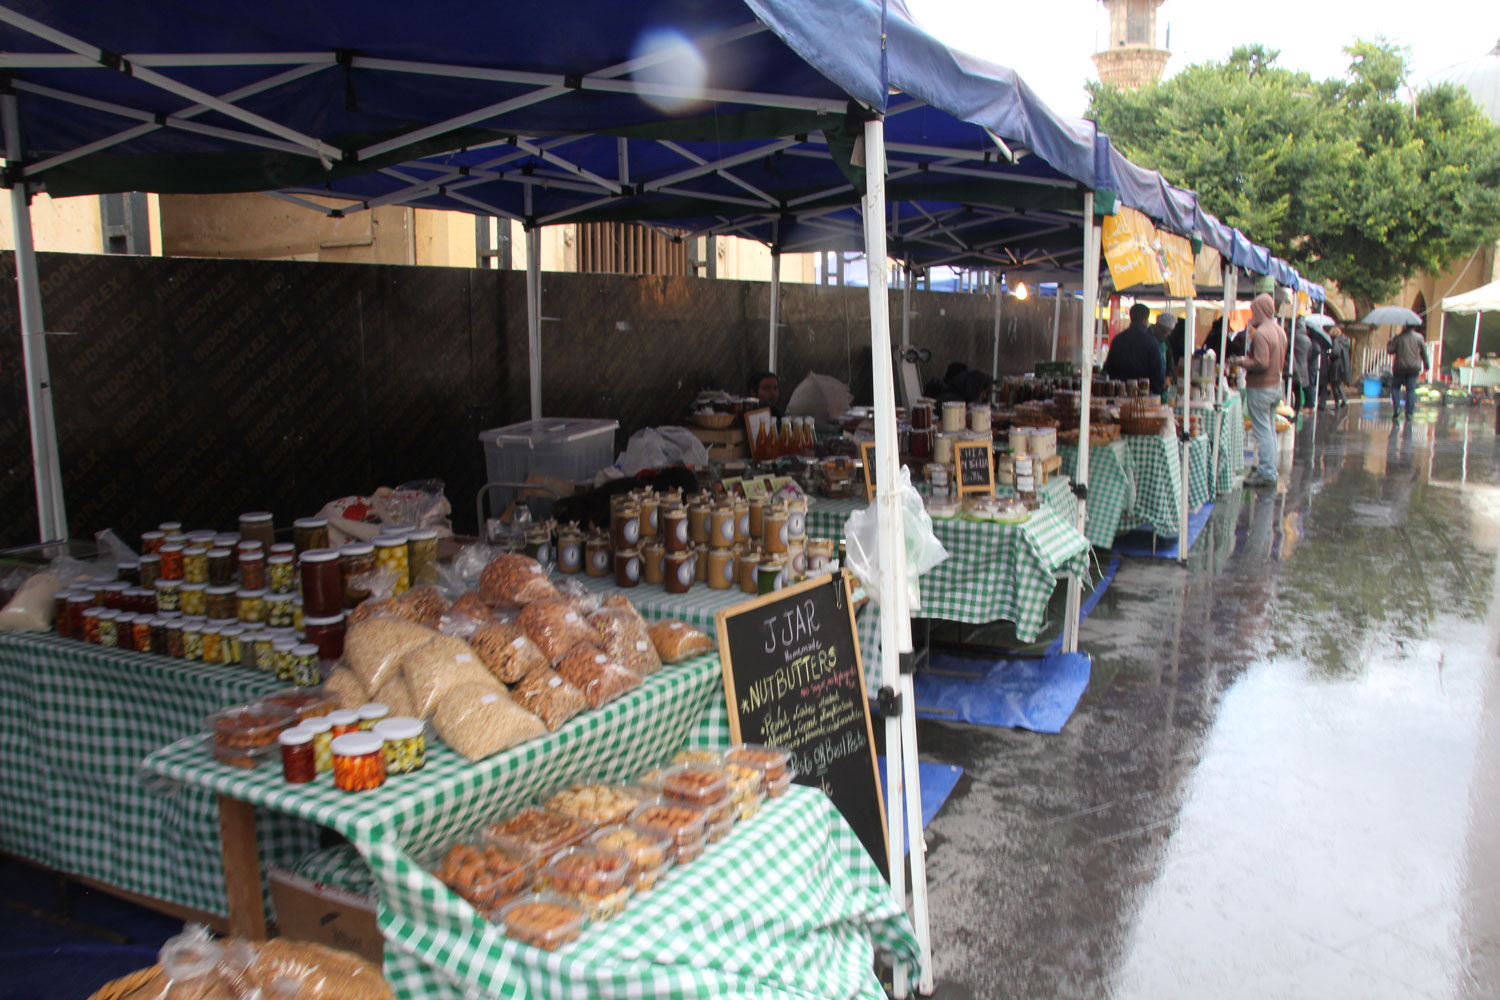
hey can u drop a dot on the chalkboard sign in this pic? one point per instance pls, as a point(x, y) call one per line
point(867, 455)
point(793, 679)
point(976, 472)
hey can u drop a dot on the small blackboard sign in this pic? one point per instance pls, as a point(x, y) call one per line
point(793, 679)
point(867, 455)
point(976, 471)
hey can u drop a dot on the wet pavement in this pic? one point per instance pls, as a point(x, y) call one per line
point(1284, 779)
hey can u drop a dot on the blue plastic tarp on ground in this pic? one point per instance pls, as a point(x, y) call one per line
point(1035, 693)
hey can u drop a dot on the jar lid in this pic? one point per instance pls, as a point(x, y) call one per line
point(255, 516)
point(373, 709)
point(153, 534)
point(192, 626)
point(195, 550)
point(227, 539)
point(279, 558)
point(317, 724)
point(155, 620)
point(250, 555)
point(170, 526)
point(247, 594)
point(195, 586)
point(201, 534)
point(356, 549)
point(388, 541)
point(223, 588)
point(356, 744)
point(149, 557)
point(294, 737)
point(320, 555)
point(283, 549)
point(285, 643)
point(310, 522)
point(127, 563)
point(114, 585)
point(174, 547)
point(343, 717)
point(629, 553)
point(278, 598)
point(398, 727)
point(126, 617)
point(423, 534)
point(231, 631)
point(337, 619)
point(305, 649)
point(168, 584)
point(249, 544)
point(209, 628)
point(217, 553)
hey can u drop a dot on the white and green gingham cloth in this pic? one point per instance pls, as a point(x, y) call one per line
point(1111, 489)
point(1157, 463)
point(1199, 490)
point(788, 906)
point(1230, 423)
point(75, 722)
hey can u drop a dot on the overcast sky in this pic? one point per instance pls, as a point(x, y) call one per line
point(1049, 42)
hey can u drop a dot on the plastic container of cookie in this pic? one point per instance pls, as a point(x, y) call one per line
point(745, 789)
point(600, 805)
point(648, 849)
point(773, 762)
point(598, 881)
point(485, 874)
point(545, 920)
point(537, 834)
point(690, 852)
point(676, 821)
point(696, 784)
point(718, 831)
point(244, 735)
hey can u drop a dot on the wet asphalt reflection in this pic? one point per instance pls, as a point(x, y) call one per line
point(1284, 779)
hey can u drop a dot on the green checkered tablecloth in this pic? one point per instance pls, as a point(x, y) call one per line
point(75, 722)
point(1199, 491)
point(1057, 496)
point(789, 905)
point(1111, 489)
point(1230, 422)
point(1157, 463)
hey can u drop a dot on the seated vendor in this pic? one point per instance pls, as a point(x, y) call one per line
point(1135, 353)
point(765, 387)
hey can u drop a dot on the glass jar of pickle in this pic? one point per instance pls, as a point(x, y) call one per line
point(298, 758)
point(171, 562)
point(390, 554)
point(168, 595)
point(220, 602)
point(404, 744)
point(213, 642)
point(141, 633)
point(277, 610)
point(310, 533)
point(193, 599)
point(148, 569)
point(195, 565)
point(176, 644)
point(151, 541)
point(281, 653)
point(281, 575)
point(304, 661)
point(220, 567)
point(569, 550)
point(355, 559)
point(596, 555)
point(252, 569)
point(422, 553)
point(322, 731)
point(231, 651)
point(125, 630)
point(358, 762)
point(263, 651)
point(343, 720)
point(250, 605)
point(192, 641)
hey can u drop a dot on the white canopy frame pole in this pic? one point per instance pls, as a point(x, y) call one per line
point(52, 518)
point(1474, 351)
point(1291, 342)
point(1056, 317)
point(1220, 419)
point(906, 304)
point(995, 358)
point(1185, 448)
point(1092, 237)
point(534, 315)
point(1438, 359)
point(902, 781)
point(775, 308)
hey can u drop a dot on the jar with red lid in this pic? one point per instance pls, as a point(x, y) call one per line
point(252, 569)
point(627, 567)
point(355, 559)
point(358, 761)
point(171, 562)
point(298, 761)
point(322, 584)
point(327, 633)
point(258, 526)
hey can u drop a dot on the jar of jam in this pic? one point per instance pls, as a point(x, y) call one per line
point(193, 599)
point(125, 629)
point(819, 554)
point(322, 582)
point(176, 646)
point(151, 541)
point(721, 527)
point(757, 524)
point(304, 660)
point(220, 602)
point(596, 555)
point(168, 595)
point(674, 531)
point(299, 763)
point(699, 514)
point(258, 526)
point(720, 569)
point(650, 515)
point(796, 518)
point(625, 526)
point(231, 648)
point(355, 559)
point(569, 550)
point(158, 635)
point(322, 731)
point(677, 572)
point(343, 720)
point(422, 551)
point(327, 633)
point(112, 594)
point(171, 562)
point(250, 605)
point(358, 762)
point(148, 569)
point(195, 565)
point(252, 569)
point(390, 554)
point(627, 567)
point(700, 563)
point(141, 600)
point(60, 613)
point(309, 533)
point(741, 521)
point(404, 743)
point(128, 572)
point(653, 553)
point(281, 574)
point(776, 531)
point(371, 713)
point(213, 644)
point(276, 610)
point(748, 564)
point(192, 641)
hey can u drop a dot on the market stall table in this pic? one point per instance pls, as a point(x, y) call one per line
point(1199, 489)
point(1134, 481)
point(77, 721)
point(1229, 426)
point(806, 925)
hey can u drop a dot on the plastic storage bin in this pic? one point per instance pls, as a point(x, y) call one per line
point(560, 448)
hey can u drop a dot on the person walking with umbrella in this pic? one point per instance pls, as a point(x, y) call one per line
point(1340, 366)
point(1301, 351)
point(1408, 350)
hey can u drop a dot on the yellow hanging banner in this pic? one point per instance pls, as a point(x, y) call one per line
point(1177, 255)
point(1130, 249)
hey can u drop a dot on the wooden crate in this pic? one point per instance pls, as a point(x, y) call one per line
point(725, 445)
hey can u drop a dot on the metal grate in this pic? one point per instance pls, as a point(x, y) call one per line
point(620, 248)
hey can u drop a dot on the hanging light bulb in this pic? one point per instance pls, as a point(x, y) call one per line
point(1021, 292)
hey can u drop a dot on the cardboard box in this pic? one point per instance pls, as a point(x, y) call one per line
point(324, 914)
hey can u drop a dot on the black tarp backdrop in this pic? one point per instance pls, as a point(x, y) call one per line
point(193, 389)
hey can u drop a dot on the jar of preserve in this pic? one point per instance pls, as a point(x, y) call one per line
point(650, 515)
point(304, 660)
point(176, 646)
point(78, 602)
point(677, 572)
point(748, 564)
point(252, 569)
point(757, 525)
point(192, 641)
point(276, 610)
point(699, 514)
point(776, 530)
point(263, 651)
point(327, 633)
point(720, 569)
point(322, 583)
point(151, 541)
point(404, 743)
point(250, 605)
point(422, 553)
point(343, 720)
point(627, 567)
point(721, 526)
point(538, 544)
point(128, 572)
point(148, 569)
point(213, 642)
point(195, 565)
point(112, 594)
point(796, 518)
point(220, 602)
point(596, 555)
point(159, 635)
point(700, 564)
point(193, 599)
point(674, 529)
point(281, 653)
point(358, 762)
point(60, 613)
point(390, 554)
point(310, 533)
point(625, 526)
point(371, 713)
point(653, 553)
point(569, 550)
point(106, 628)
point(168, 595)
point(322, 731)
point(355, 559)
point(299, 763)
point(921, 415)
point(231, 648)
point(257, 526)
point(125, 629)
point(281, 575)
point(141, 600)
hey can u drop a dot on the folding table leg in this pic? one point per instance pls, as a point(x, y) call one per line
point(242, 888)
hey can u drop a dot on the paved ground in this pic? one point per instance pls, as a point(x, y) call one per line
point(1284, 780)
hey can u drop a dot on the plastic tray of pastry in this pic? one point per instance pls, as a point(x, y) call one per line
point(745, 791)
point(773, 762)
point(776, 789)
point(718, 831)
point(537, 833)
point(648, 849)
point(598, 881)
point(696, 784)
point(599, 805)
point(543, 919)
point(677, 821)
point(697, 755)
point(306, 702)
point(691, 851)
point(487, 875)
point(244, 734)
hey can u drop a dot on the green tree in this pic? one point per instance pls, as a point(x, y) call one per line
point(1345, 178)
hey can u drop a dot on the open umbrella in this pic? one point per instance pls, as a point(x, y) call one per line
point(1320, 321)
point(1392, 316)
point(1318, 333)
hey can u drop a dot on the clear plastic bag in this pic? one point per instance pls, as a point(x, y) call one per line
point(556, 627)
point(31, 608)
point(549, 696)
point(479, 719)
point(190, 961)
point(437, 667)
point(923, 550)
point(374, 647)
point(627, 638)
point(417, 504)
point(507, 651)
point(515, 579)
point(471, 561)
point(676, 641)
point(601, 679)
